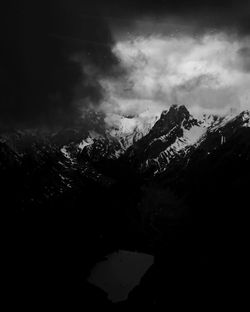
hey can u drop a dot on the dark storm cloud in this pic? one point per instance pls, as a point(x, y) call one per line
point(53, 56)
point(43, 58)
point(195, 15)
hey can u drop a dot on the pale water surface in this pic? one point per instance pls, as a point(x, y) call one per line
point(120, 273)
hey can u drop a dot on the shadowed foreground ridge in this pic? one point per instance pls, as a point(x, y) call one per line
point(178, 192)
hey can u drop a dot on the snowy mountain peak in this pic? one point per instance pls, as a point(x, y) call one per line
point(153, 144)
point(177, 134)
point(176, 116)
point(175, 113)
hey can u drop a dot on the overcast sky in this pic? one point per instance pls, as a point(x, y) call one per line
point(124, 57)
point(207, 73)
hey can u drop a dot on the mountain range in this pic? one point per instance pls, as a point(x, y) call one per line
point(94, 151)
point(175, 187)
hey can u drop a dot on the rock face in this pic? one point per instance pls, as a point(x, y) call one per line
point(172, 133)
point(173, 138)
point(177, 134)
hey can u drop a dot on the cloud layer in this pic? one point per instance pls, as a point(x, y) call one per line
point(207, 73)
point(59, 58)
point(51, 60)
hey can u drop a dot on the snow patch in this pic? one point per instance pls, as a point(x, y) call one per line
point(65, 152)
point(85, 142)
point(192, 135)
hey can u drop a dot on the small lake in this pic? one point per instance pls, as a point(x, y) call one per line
point(120, 272)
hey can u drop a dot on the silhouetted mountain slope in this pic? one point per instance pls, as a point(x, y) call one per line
point(178, 191)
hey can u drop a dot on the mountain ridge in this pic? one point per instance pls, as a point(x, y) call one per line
point(175, 135)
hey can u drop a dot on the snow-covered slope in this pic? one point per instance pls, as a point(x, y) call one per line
point(149, 144)
point(117, 138)
point(175, 140)
point(177, 133)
